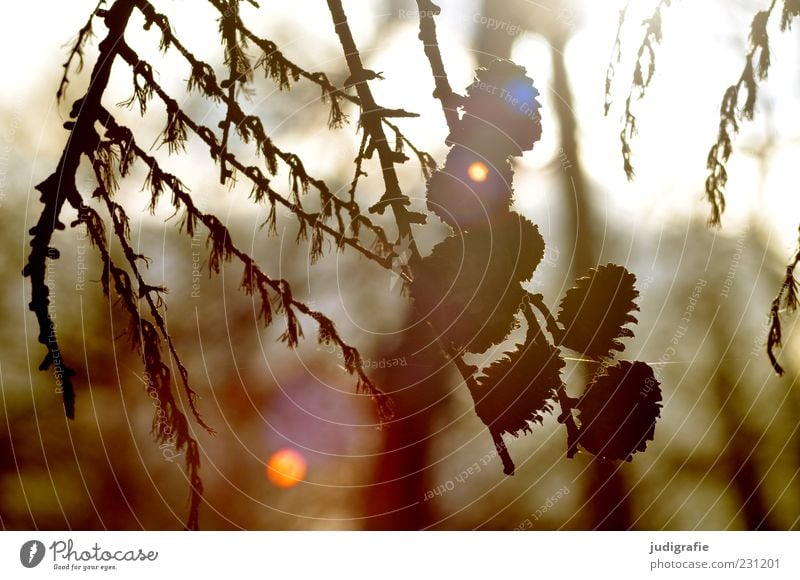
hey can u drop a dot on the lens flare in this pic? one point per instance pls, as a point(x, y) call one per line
point(286, 468)
point(478, 172)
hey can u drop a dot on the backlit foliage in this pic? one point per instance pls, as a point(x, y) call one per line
point(469, 289)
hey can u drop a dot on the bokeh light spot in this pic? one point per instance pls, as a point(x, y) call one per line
point(286, 468)
point(478, 172)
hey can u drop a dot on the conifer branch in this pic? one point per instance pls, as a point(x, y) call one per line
point(254, 279)
point(427, 34)
point(371, 123)
point(787, 298)
point(261, 184)
point(145, 340)
point(616, 57)
point(151, 294)
point(566, 402)
point(76, 51)
point(756, 69)
point(61, 186)
point(643, 73)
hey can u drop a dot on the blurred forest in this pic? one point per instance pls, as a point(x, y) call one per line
point(726, 453)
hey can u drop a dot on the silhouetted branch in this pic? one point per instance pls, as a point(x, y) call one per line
point(283, 71)
point(756, 69)
point(643, 72)
point(394, 196)
point(203, 78)
point(371, 122)
point(247, 124)
point(239, 71)
point(786, 298)
point(171, 426)
point(60, 186)
point(151, 294)
point(427, 34)
point(254, 279)
point(76, 52)
point(616, 57)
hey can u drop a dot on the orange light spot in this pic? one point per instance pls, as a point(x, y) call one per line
point(478, 172)
point(286, 468)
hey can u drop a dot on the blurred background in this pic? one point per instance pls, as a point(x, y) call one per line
point(726, 452)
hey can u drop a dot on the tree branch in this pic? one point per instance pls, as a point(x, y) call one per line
point(427, 34)
point(60, 186)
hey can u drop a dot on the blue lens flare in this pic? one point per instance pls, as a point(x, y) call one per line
point(520, 95)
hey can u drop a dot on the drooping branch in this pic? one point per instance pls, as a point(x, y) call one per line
point(254, 279)
point(643, 73)
point(395, 199)
point(616, 57)
point(261, 184)
point(60, 186)
point(151, 294)
point(787, 298)
point(566, 402)
point(172, 426)
point(468, 375)
point(756, 69)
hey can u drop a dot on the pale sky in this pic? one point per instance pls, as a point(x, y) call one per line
point(702, 53)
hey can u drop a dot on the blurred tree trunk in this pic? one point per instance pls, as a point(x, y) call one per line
point(396, 496)
point(738, 456)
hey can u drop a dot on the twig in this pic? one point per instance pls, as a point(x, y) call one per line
point(76, 52)
point(616, 57)
point(641, 80)
point(254, 174)
point(371, 115)
point(427, 34)
point(222, 240)
point(60, 186)
point(755, 69)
